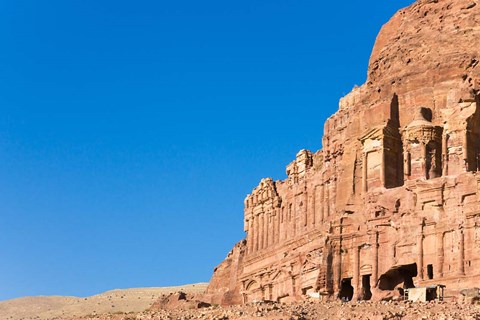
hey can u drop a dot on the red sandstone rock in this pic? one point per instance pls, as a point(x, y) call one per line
point(179, 300)
point(392, 199)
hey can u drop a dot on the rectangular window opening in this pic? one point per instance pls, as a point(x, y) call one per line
point(430, 271)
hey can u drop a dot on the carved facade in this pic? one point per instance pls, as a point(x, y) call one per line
point(393, 198)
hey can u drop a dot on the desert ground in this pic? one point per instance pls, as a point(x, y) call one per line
point(119, 301)
point(184, 302)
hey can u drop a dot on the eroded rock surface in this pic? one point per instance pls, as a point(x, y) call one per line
point(392, 199)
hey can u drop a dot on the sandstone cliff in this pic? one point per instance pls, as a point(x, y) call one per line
point(392, 199)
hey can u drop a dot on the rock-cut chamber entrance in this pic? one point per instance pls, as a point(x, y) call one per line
point(398, 275)
point(366, 293)
point(346, 290)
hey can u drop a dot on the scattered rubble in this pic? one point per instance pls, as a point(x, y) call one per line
point(311, 309)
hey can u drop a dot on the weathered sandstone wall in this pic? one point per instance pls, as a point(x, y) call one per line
point(392, 199)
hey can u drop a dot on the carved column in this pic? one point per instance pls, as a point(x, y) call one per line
point(254, 233)
point(314, 208)
point(258, 233)
point(305, 208)
point(444, 155)
point(423, 147)
point(286, 221)
point(465, 151)
point(262, 231)
point(322, 186)
point(250, 236)
point(281, 224)
point(356, 271)
point(273, 226)
point(364, 173)
point(326, 199)
point(266, 228)
point(375, 260)
point(276, 226)
point(333, 196)
point(269, 229)
point(293, 219)
point(266, 236)
point(382, 168)
point(461, 252)
point(337, 268)
point(407, 164)
point(420, 253)
point(440, 253)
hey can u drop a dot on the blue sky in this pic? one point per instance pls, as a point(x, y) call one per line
point(130, 132)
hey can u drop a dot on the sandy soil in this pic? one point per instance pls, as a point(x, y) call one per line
point(119, 301)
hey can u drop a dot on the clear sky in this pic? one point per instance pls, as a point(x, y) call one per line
point(131, 131)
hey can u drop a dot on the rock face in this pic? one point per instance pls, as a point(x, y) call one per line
point(393, 197)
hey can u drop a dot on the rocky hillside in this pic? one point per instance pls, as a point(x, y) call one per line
point(120, 301)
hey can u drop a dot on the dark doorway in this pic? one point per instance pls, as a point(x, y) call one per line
point(346, 290)
point(397, 275)
point(366, 293)
point(430, 271)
